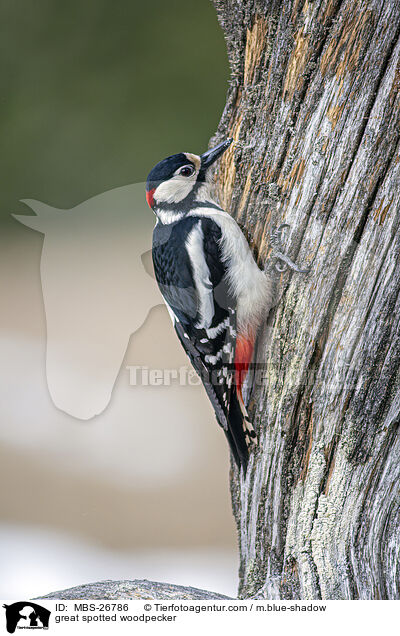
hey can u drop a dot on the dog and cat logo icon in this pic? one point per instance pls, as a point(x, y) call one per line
point(26, 615)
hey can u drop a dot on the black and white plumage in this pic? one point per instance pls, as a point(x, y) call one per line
point(214, 290)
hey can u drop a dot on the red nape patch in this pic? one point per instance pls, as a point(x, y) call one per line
point(243, 356)
point(150, 197)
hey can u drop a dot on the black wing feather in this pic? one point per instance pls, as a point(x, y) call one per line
point(211, 357)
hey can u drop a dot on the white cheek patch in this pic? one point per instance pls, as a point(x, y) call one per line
point(178, 187)
point(174, 190)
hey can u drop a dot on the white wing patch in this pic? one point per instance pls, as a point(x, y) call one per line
point(201, 276)
point(252, 289)
point(214, 331)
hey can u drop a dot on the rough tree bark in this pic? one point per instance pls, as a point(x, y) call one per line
point(314, 102)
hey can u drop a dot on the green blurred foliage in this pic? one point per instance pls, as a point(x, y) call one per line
point(94, 93)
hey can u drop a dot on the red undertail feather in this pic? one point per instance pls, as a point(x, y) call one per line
point(243, 356)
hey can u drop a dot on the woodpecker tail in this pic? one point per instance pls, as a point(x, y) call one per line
point(240, 433)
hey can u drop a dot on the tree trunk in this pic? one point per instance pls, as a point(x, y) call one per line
point(314, 103)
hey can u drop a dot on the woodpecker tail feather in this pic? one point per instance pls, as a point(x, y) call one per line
point(240, 433)
point(249, 432)
point(223, 382)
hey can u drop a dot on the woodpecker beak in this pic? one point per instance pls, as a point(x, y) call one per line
point(208, 158)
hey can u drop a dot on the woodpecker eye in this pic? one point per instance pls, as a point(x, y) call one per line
point(186, 171)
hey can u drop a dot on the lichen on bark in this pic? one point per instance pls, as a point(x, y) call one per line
point(315, 107)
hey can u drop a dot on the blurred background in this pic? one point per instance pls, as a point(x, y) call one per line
point(93, 95)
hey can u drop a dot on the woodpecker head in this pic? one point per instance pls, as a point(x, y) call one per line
point(180, 180)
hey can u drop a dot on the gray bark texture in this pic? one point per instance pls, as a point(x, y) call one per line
point(315, 106)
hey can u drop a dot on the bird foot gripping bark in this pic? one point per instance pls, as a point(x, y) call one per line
point(282, 260)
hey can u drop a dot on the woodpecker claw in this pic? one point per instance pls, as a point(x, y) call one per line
point(283, 260)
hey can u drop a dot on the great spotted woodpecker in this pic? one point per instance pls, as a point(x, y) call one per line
point(212, 286)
